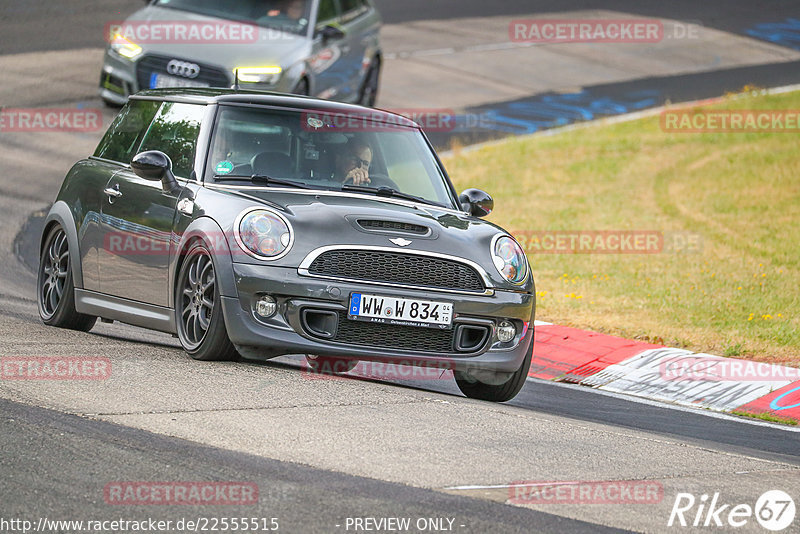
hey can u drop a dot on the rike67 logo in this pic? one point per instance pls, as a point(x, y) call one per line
point(774, 510)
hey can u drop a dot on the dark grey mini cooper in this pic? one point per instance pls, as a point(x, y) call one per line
point(261, 224)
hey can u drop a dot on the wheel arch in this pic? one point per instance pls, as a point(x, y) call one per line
point(61, 215)
point(207, 231)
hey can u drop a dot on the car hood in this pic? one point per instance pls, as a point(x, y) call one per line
point(333, 218)
point(272, 47)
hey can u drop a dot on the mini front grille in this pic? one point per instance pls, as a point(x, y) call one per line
point(393, 226)
point(397, 268)
point(151, 64)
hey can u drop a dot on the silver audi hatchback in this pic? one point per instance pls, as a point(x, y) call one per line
point(324, 48)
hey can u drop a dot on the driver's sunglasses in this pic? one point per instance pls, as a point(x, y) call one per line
point(360, 162)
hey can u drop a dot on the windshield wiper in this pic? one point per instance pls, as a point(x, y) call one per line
point(383, 191)
point(260, 178)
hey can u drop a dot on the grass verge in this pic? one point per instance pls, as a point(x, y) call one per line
point(726, 204)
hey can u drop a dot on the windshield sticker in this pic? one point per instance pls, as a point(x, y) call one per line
point(224, 167)
point(315, 123)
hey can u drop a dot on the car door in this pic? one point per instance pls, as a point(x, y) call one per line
point(328, 55)
point(358, 28)
point(113, 153)
point(138, 214)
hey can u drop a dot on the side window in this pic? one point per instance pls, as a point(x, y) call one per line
point(328, 11)
point(174, 132)
point(352, 9)
point(126, 132)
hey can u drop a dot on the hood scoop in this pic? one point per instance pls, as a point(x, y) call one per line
point(394, 227)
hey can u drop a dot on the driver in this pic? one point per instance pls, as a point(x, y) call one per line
point(352, 164)
point(292, 9)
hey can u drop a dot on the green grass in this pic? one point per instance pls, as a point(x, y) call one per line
point(738, 193)
point(765, 416)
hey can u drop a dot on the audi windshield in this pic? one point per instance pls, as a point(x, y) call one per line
point(287, 15)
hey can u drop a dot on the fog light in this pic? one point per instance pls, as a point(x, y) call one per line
point(506, 332)
point(266, 307)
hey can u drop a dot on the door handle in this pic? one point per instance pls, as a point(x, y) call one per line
point(112, 192)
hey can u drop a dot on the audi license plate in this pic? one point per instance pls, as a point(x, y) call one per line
point(408, 312)
point(160, 81)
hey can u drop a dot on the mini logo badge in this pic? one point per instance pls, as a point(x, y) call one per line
point(400, 242)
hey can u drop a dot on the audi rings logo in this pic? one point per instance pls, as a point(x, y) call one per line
point(183, 68)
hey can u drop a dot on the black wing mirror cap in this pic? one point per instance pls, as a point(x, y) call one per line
point(476, 202)
point(156, 166)
point(151, 165)
point(330, 32)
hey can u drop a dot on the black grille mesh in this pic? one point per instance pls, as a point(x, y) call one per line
point(391, 267)
point(213, 76)
point(394, 336)
point(397, 226)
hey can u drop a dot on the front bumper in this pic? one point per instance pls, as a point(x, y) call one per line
point(288, 332)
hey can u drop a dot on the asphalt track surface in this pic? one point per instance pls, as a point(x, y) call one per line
point(55, 464)
point(56, 22)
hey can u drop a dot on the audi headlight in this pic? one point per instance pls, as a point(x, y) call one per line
point(264, 234)
point(125, 47)
point(509, 259)
point(269, 74)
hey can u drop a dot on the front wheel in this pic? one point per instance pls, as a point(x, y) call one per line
point(501, 391)
point(369, 88)
point(54, 286)
point(198, 309)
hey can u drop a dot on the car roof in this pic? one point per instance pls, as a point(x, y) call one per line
point(232, 96)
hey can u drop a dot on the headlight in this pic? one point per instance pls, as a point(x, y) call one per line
point(264, 234)
point(269, 74)
point(125, 47)
point(509, 259)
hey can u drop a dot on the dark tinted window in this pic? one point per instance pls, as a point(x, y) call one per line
point(174, 132)
point(352, 9)
point(328, 10)
point(126, 132)
point(288, 15)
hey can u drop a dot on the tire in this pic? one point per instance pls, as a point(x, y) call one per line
point(301, 89)
point(327, 365)
point(369, 88)
point(474, 389)
point(110, 104)
point(55, 291)
point(198, 308)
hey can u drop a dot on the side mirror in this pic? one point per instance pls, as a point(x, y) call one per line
point(154, 165)
point(476, 202)
point(330, 32)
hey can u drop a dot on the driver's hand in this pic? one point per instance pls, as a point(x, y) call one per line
point(357, 176)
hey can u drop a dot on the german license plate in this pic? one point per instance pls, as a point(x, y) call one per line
point(160, 81)
point(392, 310)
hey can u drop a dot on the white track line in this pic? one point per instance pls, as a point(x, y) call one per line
point(662, 404)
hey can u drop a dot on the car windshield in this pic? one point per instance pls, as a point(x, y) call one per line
point(354, 153)
point(288, 15)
